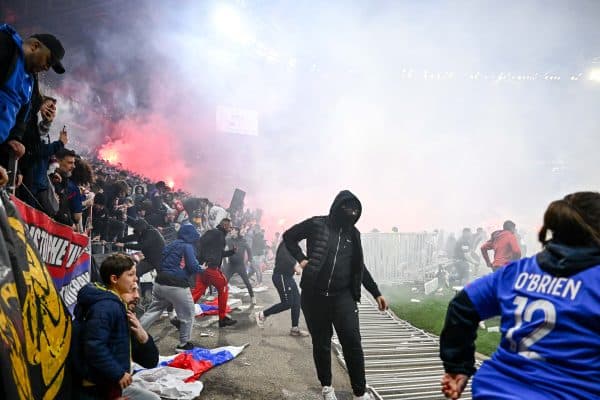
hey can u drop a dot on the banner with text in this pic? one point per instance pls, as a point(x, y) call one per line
point(64, 252)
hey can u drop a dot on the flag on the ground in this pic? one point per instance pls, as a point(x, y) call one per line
point(210, 308)
point(199, 360)
point(176, 376)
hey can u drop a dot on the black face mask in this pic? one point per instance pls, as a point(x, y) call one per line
point(346, 216)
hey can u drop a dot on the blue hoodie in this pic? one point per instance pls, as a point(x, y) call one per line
point(179, 261)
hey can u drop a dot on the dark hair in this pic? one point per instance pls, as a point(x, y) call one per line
point(48, 98)
point(574, 220)
point(64, 152)
point(100, 199)
point(83, 172)
point(509, 225)
point(115, 264)
point(224, 220)
point(191, 204)
point(121, 186)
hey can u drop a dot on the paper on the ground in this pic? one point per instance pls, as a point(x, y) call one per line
point(168, 383)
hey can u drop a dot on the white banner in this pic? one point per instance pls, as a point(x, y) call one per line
point(237, 120)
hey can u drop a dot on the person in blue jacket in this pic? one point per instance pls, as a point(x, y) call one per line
point(20, 60)
point(172, 285)
point(107, 335)
point(550, 309)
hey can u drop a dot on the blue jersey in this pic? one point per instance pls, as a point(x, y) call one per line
point(550, 347)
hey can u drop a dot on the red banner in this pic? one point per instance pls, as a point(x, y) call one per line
point(64, 252)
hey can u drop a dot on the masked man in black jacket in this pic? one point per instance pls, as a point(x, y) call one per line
point(333, 271)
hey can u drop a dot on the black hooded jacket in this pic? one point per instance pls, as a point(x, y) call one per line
point(149, 241)
point(322, 236)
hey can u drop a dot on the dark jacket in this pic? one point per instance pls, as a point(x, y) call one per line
point(38, 147)
point(179, 259)
point(237, 259)
point(101, 345)
point(211, 248)
point(318, 231)
point(258, 244)
point(149, 241)
point(284, 262)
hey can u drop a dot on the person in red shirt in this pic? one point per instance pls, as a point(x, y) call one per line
point(505, 246)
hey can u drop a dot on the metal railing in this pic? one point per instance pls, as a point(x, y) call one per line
point(401, 362)
point(401, 257)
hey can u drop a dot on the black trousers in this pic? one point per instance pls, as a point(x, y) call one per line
point(241, 271)
point(322, 314)
point(143, 267)
point(289, 295)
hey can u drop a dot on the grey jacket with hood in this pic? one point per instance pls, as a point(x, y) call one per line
point(318, 231)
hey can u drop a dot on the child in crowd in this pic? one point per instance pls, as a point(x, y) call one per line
point(107, 335)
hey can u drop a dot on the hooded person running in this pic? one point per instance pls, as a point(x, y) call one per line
point(333, 271)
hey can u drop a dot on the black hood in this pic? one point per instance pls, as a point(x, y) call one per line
point(337, 216)
point(561, 260)
point(140, 226)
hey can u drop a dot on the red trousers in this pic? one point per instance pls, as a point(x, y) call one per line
point(212, 276)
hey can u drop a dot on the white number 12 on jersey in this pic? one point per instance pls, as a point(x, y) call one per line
point(524, 312)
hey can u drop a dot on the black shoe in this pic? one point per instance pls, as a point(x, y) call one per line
point(226, 322)
point(188, 346)
point(175, 322)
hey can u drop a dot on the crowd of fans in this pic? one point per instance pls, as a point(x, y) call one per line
point(186, 239)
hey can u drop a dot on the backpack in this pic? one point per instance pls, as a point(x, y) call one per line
point(76, 355)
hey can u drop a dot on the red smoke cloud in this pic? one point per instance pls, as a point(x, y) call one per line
point(147, 146)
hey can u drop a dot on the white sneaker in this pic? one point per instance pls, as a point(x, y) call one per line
point(328, 393)
point(366, 396)
point(260, 319)
point(253, 300)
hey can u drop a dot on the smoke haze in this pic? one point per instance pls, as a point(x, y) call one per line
point(437, 114)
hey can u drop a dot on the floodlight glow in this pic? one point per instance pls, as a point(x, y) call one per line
point(595, 75)
point(228, 21)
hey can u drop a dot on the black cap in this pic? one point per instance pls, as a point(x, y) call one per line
point(57, 50)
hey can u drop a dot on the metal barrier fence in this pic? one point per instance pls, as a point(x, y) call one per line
point(402, 257)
